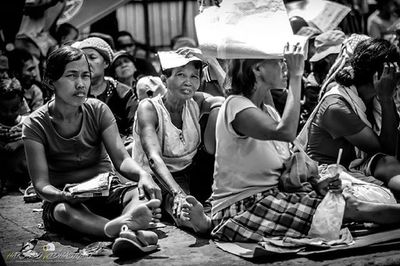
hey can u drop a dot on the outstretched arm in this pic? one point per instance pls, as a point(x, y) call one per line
point(147, 123)
point(127, 166)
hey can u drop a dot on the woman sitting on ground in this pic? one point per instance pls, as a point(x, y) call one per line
point(67, 141)
point(251, 152)
point(346, 116)
point(167, 133)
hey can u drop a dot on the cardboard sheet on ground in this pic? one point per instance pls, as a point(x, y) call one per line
point(245, 29)
point(255, 250)
point(326, 15)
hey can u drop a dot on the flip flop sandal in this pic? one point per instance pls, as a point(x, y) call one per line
point(30, 195)
point(130, 245)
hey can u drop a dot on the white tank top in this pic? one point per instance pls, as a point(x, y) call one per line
point(178, 146)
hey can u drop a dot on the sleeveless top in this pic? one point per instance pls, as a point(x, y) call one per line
point(244, 166)
point(178, 146)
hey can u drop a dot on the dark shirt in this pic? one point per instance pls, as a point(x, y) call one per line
point(122, 102)
point(144, 68)
point(334, 120)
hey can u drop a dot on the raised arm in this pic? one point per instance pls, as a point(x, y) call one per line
point(385, 87)
point(215, 69)
point(253, 122)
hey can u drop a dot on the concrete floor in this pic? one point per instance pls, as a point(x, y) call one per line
point(20, 222)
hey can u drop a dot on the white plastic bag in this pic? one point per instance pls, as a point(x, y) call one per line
point(366, 191)
point(328, 217)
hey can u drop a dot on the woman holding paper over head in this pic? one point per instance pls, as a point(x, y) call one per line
point(167, 133)
point(251, 196)
point(67, 141)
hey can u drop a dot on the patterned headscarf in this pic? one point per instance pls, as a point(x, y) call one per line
point(345, 54)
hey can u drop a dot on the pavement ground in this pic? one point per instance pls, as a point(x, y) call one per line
point(21, 222)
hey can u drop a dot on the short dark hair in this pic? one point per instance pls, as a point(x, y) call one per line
point(10, 88)
point(121, 34)
point(16, 61)
point(241, 76)
point(380, 4)
point(197, 64)
point(63, 30)
point(57, 61)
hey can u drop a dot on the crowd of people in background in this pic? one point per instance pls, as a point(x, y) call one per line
point(205, 142)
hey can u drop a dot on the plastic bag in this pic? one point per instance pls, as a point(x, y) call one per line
point(366, 191)
point(328, 217)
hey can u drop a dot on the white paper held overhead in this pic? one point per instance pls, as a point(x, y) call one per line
point(245, 29)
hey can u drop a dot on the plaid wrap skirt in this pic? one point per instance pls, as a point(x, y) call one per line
point(267, 214)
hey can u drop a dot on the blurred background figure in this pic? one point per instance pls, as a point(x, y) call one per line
point(105, 37)
point(382, 19)
point(13, 174)
point(23, 67)
point(180, 41)
point(124, 41)
point(66, 33)
point(123, 69)
point(4, 68)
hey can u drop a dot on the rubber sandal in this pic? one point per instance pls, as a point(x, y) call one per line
point(30, 195)
point(130, 245)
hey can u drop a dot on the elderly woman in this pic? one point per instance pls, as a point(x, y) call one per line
point(167, 132)
point(70, 140)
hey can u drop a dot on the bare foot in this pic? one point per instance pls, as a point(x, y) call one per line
point(139, 217)
point(193, 216)
point(145, 237)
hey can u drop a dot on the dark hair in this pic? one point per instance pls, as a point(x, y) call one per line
point(16, 61)
point(58, 59)
point(10, 88)
point(380, 4)
point(111, 69)
point(63, 30)
point(120, 34)
point(368, 58)
point(241, 76)
point(296, 23)
point(174, 40)
point(197, 64)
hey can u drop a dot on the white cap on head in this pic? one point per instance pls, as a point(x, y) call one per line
point(171, 59)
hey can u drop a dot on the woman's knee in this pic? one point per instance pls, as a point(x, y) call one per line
point(62, 213)
point(386, 168)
